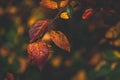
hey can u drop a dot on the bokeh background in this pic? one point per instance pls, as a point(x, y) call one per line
point(95, 43)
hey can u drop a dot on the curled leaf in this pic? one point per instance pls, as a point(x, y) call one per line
point(60, 40)
point(88, 13)
point(38, 52)
point(52, 4)
point(37, 29)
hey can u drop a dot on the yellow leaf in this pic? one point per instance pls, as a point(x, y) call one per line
point(4, 51)
point(56, 61)
point(95, 59)
point(23, 64)
point(111, 33)
point(46, 37)
point(116, 43)
point(63, 3)
point(31, 21)
point(52, 4)
point(117, 53)
point(36, 14)
point(11, 58)
point(80, 75)
point(64, 15)
point(20, 30)
point(11, 9)
point(97, 68)
point(114, 65)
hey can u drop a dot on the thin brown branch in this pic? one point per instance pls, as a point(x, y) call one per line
point(61, 10)
point(57, 16)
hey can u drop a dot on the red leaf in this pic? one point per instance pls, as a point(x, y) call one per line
point(10, 76)
point(60, 40)
point(38, 52)
point(88, 13)
point(37, 29)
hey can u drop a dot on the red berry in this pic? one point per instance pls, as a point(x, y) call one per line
point(38, 52)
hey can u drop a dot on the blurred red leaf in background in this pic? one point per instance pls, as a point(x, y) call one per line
point(87, 13)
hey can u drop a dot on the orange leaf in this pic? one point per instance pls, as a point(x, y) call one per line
point(52, 4)
point(64, 15)
point(60, 40)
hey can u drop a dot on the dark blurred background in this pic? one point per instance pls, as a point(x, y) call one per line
point(95, 43)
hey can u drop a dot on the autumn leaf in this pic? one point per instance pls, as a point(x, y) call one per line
point(111, 33)
point(68, 13)
point(10, 76)
point(46, 37)
point(116, 43)
point(37, 29)
point(52, 4)
point(60, 40)
point(38, 52)
point(87, 13)
point(64, 15)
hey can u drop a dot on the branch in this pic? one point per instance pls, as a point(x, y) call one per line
point(61, 10)
point(57, 16)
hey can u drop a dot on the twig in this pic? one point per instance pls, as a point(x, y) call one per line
point(57, 16)
point(61, 10)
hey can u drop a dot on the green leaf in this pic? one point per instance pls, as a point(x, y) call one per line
point(115, 74)
point(110, 55)
point(91, 75)
point(104, 70)
point(3, 64)
point(15, 66)
point(32, 73)
point(11, 36)
point(70, 10)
